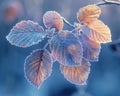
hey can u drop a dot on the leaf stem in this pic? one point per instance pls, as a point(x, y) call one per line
point(68, 23)
point(45, 46)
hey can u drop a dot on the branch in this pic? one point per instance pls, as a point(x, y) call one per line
point(106, 2)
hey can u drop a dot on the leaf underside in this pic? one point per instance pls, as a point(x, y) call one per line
point(26, 34)
point(38, 66)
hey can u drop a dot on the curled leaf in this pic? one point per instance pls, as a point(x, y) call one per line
point(88, 13)
point(38, 66)
point(53, 19)
point(26, 34)
point(66, 49)
point(77, 74)
point(97, 32)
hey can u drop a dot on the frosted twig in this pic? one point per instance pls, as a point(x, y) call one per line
point(68, 23)
point(106, 2)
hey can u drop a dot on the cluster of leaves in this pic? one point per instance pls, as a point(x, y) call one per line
point(72, 49)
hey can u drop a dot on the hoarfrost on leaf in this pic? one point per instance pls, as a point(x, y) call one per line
point(38, 66)
point(66, 49)
point(72, 49)
point(26, 34)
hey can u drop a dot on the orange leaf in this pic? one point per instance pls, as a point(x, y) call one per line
point(97, 31)
point(77, 74)
point(88, 13)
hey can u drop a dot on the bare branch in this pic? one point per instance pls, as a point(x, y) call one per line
point(109, 2)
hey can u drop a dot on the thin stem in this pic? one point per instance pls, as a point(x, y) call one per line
point(45, 45)
point(107, 3)
point(101, 3)
point(73, 30)
point(68, 23)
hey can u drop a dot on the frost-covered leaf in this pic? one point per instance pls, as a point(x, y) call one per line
point(66, 49)
point(53, 19)
point(97, 31)
point(26, 34)
point(77, 74)
point(38, 66)
point(88, 13)
point(91, 49)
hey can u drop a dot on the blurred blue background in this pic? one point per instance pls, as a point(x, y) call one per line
point(104, 78)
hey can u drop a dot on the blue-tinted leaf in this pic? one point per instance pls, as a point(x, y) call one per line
point(66, 49)
point(26, 34)
point(77, 74)
point(38, 66)
point(91, 49)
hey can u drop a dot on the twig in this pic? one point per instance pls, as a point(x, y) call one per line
point(107, 3)
point(68, 23)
